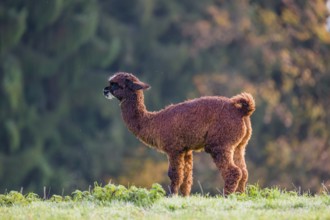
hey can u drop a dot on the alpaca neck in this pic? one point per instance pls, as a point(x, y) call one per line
point(136, 116)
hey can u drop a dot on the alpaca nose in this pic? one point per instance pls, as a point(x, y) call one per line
point(106, 91)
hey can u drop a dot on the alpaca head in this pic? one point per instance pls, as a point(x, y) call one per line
point(124, 86)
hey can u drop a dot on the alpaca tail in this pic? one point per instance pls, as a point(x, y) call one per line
point(244, 102)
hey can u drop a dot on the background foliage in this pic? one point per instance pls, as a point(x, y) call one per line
point(57, 130)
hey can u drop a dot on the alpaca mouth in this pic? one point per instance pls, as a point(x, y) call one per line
point(107, 93)
point(109, 96)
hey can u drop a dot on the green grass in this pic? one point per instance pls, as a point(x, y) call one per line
point(255, 204)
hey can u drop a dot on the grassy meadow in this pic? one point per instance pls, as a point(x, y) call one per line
point(118, 202)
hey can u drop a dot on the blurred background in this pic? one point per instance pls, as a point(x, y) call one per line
point(57, 130)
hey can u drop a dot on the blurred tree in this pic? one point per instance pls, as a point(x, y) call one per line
point(281, 57)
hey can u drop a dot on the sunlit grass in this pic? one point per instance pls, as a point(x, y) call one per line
point(256, 203)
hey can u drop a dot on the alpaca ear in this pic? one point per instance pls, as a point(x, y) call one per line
point(137, 85)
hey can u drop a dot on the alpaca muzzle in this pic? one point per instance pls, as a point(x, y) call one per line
point(107, 93)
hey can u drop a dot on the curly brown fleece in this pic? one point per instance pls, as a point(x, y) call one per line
point(219, 125)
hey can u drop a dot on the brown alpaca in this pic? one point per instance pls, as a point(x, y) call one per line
point(219, 125)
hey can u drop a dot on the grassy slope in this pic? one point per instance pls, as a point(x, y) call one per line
point(283, 206)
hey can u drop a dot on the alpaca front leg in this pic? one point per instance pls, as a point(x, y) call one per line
point(176, 171)
point(188, 170)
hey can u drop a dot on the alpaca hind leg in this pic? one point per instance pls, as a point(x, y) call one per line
point(240, 162)
point(176, 172)
point(223, 158)
point(239, 156)
point(188, 170)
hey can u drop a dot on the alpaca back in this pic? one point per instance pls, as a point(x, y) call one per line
point(188, 123)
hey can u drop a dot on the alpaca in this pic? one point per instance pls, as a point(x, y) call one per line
point(221, 126)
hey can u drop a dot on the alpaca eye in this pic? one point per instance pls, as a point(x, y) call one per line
point(114, 86)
